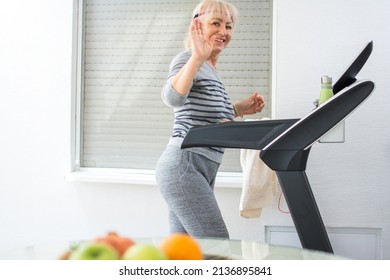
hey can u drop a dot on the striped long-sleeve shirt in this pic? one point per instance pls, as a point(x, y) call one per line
point(206, 103)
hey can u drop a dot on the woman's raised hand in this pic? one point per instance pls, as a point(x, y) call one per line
point(201, 45)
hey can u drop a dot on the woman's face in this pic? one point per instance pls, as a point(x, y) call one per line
point(222, 28)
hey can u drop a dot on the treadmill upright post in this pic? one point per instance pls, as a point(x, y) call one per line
point(304, 210)
point(290, 166)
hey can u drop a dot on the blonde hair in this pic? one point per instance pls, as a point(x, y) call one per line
point(213, 9)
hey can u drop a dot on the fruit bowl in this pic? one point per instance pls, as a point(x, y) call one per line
point(178, 246)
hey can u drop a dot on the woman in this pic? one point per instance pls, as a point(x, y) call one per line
point(194, 89)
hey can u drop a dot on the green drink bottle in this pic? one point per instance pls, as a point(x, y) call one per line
point(326, 89)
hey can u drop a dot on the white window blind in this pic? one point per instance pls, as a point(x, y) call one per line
point(127, 47)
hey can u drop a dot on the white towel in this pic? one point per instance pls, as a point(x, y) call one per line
point(260, 184)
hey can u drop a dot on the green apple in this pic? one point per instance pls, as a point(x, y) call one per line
point(94, 251)
point(143, 252)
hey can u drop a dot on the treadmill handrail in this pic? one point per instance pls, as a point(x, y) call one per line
point(305, 132)
point(243, 134)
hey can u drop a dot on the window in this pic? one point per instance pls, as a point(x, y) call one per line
point(122, 53)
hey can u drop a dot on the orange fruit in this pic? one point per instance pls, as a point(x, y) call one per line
point(181, 246)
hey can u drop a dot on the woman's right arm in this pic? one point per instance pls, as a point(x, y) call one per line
point(182, 81)
point(201, 48)
point(170, 95)
point(179, 84)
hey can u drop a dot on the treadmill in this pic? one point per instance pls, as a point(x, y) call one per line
point(285, 145)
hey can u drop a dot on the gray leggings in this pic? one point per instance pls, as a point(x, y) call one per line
point(186, 181)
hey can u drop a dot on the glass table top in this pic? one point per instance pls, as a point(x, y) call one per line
point(212, 249)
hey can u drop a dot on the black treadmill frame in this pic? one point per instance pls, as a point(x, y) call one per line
point(285, 146)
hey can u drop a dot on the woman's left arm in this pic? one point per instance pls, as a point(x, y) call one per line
point(248, 106)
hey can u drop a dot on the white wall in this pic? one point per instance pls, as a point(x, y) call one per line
point(37, 206)
point(350, 180)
